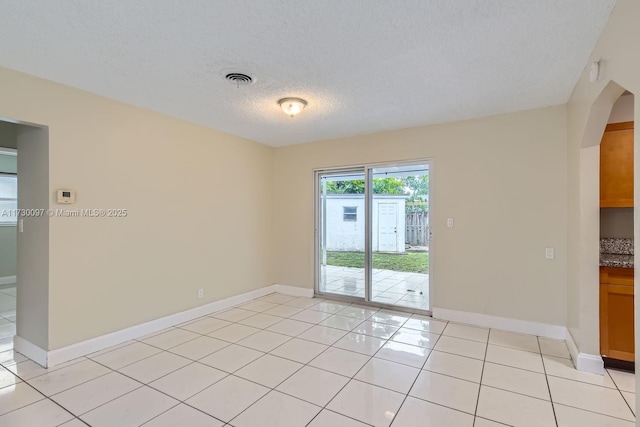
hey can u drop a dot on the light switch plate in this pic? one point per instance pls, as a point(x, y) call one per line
point(550, 253)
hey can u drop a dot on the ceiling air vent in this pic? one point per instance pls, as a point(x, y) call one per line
point(239, 79)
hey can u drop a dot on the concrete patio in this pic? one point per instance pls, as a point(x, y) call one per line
point(389, 287)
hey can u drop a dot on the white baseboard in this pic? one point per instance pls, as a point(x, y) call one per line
point(504, 323)
point(583, 361)
point(573, 348)
point(70, 352)
point(8, 280)
point(30, 350)
point(590, 363)
point(294, 291)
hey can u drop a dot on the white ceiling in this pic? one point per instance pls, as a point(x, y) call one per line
point(363, 65)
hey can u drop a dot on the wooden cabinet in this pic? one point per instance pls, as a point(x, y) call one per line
point(616, 313)
point(616, 166)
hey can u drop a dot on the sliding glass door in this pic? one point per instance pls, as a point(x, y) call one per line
point(400, 236)
point(340, 233)
point(372, 234)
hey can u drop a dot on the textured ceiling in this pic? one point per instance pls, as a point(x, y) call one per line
point(363, 65)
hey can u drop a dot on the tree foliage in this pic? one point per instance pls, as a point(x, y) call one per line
point(422, 207)
point(413, 186)
point(388, 186)
point(380, 186)
point(418, 185)
point(346, 187)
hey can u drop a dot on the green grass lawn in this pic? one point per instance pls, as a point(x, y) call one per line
point(411, 262)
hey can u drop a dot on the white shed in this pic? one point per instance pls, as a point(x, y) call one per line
point(344, 222)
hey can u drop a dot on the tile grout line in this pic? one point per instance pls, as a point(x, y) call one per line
point(117, 371)
point(100, 376)
point(420, 369)
point(198, 361)
point(112, 371)
point(142, 385)
point(319, 368)
point(406, 396)
point(38, 401)
point(129, 364)
point(580, 382)
point(594, 412)
point(168, 350)
point(180, 401)
point(350, 378)
point(546, 378)
point(620, 391)
point(534, 397)
point(305, 364)
point(175, 406)
point(228, 374)
point(484, 362)
point(233, 374)
point(49, 370)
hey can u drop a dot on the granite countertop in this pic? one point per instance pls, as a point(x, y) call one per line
point(616, 260)
point(616, 253)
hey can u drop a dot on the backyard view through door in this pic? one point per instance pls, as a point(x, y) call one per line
point(341, 229)
point(394, 216)
point(400, 259)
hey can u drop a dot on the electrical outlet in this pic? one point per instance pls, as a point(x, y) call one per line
point(200, 293)
point(450, 222)
point(549, 253)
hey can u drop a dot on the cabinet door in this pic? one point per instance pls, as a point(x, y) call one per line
point(616, 166)
point(616, 321)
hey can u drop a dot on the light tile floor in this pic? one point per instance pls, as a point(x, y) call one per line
point(7, 313)
point(389, 287)
point(281, 361)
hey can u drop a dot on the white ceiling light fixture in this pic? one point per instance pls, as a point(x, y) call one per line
point(292, 106)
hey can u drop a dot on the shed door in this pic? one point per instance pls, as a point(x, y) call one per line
point(388, 227)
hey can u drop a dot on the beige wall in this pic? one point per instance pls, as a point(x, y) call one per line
point(199, 210)
point(502, 178)
point(588, 112)
point(622, 110)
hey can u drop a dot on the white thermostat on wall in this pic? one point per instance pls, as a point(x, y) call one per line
point(66, 196)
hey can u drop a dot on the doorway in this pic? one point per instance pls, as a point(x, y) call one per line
point(27, 305)
point(372, 234)
point(616, 157)
point(8, 232)
point(387, 227)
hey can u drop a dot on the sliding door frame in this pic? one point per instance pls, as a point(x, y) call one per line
point(367, 171)
point(319, 231)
